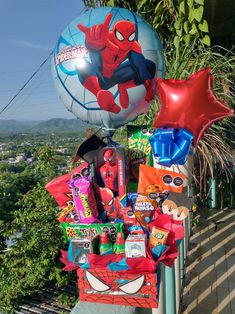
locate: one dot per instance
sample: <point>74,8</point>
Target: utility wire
<point>38,83</point>
<point>26,83</point>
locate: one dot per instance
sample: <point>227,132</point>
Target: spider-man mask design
<point>104,286</point>
<point>123,35</point>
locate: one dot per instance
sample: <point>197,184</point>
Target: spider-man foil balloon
<point>105,64</point>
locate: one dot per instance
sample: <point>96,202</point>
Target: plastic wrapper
<point>89,231</point>
<point>159,179</point>
<point>59,188</point>
<point>143,208</point>
<point>139,148</point>
<point>68,214</point>
<point>84,199</point>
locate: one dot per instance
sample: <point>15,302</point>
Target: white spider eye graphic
<point>119,36</point>
<point>131,37</point>
<point>95,283</point>
<point>110,202</point>
<point>133,286</point>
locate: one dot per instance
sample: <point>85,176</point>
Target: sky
<point>29,30</point>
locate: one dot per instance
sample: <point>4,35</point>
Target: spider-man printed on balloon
<point>105,65</point>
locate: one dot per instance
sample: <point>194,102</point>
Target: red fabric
<point>176,232</point>
<point>141,265</point>
<point>68,265</point>
<point>101,261</point>
<point>169,256</point>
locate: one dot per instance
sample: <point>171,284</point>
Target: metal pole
<point>187,233</point>
<point>170,298</point>
<point>212,193</point>
<point>177,283</point>
<point>181,257</point>
<point>161,296</point>
<point>185,241</point>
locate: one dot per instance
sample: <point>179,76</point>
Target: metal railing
<point>173,279</point>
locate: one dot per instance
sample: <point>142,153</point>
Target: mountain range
<point>58,125</point>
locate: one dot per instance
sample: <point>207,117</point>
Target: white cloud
<point>31,45</point>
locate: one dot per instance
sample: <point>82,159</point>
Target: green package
<point>139,151</point>
<point>89,231</point>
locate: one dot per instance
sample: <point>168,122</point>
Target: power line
<point>26,83</point>
<point>38,83</point>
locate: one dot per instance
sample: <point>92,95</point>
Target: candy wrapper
<point>68,214</point>
<point>89,231</point>
<point>84,199</point>
<point>135,245</point>
<point>143,208</point>
<point>79,249</point>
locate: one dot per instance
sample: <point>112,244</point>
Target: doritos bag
<point>59,188</point>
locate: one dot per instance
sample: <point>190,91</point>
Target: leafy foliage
<point>33,259</point>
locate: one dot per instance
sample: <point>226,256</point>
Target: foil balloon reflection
<point>171,146</point>
<point>105,64</point>
<point>190,104</point>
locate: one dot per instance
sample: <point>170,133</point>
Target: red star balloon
<point>190,104</point>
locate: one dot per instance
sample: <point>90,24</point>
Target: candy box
<point>79,248</point>
<point>158,236</point>
<point>135,245</point>
<point>104,286</point>
<point>110,170</point>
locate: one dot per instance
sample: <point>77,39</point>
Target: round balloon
<point>105,64</point>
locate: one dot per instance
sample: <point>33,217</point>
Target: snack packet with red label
<point>59,188</point>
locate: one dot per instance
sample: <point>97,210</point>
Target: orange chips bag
<point>159,179</point>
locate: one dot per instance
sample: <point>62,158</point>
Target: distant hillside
<point>49,126</point>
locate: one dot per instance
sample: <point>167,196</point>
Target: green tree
<point>33,260</point>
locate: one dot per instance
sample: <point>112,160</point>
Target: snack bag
<point>68,214</point>
<point>59,189</point>
<point>89,231</point>
<point>84,199</point>
<point>143,208</point>
<point>160,179</point>
<point>139,149</point>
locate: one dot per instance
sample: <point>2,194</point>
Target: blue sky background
<point>29,29</point>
